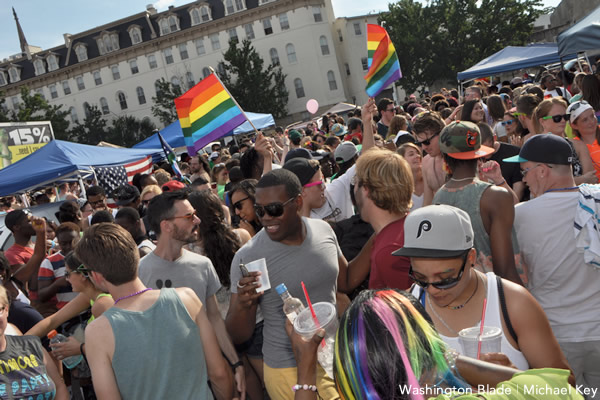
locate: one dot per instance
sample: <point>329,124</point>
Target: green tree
<point>164,101</point>
<point>93,129</point>
<point>457,34</point>
<point>127,130</point>
<point>255,87</point>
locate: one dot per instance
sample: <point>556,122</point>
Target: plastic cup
<point>304,325</point>
<point>260,265</point>
<point>490,340</point>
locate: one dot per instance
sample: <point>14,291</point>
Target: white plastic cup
<point>491,340</point>
<point>304,325</point>
<point>260,265</point>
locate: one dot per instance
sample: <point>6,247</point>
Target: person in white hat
<point>585,127</point>
<point>439,240</point>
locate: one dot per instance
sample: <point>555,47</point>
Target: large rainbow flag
<point>384,67</point>
<point>206,113</point>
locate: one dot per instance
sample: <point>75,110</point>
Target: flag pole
<point>235,101</point>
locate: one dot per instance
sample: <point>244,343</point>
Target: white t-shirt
<point>339,204</point>
<point>554,93</point>
<point>565,286</point>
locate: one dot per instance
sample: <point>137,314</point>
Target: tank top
<point>158,351</point>
<point>594,150</point>
<point>493,317</point>
<point>93,301</point>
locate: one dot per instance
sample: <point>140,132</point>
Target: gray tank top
<point>158,352</point>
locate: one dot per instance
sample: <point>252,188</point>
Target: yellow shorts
<point>279,382</point>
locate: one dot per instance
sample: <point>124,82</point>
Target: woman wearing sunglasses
<point>585,127</point>
<point>242,203</point>
<point>550,116</point>
<point>439,241</point>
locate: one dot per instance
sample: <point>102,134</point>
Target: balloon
<point>312,106</point>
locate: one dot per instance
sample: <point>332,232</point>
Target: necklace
<point>438,316</point>
<point>131,295</point>
<point>470,297</point>
<point>468,178</point>
<point>562,189</point>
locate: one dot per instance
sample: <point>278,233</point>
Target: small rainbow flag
<point>206,113</point>
<point>384,67</point>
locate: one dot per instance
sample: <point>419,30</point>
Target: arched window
<point>14,74</point>
<point>86,109</point>
<point>299,88</point>
<point>140,95</point>
<point>74,116</point>
<point>195,16</point>
<point>175,82</point>
<point>157,88</point>
<point>205,72</point>
<point>331,80</point>
<point>81,52</point>
<point>189,77</point>
<point>104,106</point>
<point>173,23</point>
<point>229,7</point>
<point>39,66</point>
<point>324,46</point>
<point>135,34</point>
<point>122,100</point>
<point>221,69</point>
<point>52,62</point>
<point>205,13</point>
<point>274,56</point>
<point>291,53</point>
<point>164,26</point>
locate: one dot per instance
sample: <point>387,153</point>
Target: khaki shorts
<point>279,382</point>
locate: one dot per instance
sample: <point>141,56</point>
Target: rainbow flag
<point>384,67</point>
<point>206,113</point>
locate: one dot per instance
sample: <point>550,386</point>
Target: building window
<point>324,46</point>
<point>205,13</point>
<point>107,42</point>
<point>74,117</point>
<point>183,53</point>
<point>152,61</point>
<point>14,74</point>
<point>81,52</point>
<point>104,106</point>
<point>168,55</point>
<point>122,100</point>
<point>239,5</point>
<point>299,88</point>
<point>331,80</point>
<point>53,91</point>
<point>66,87</point>
<point>249,31</point>
<point>267,26</point>
<point>80,84</point>
<point>87,110</point>
<point>229,7</point>
<point>97,78</point>
<point>189,78</point>
<point>39,67</point>
<point>15,103</point>
<point>199,15</point>
<point>365,65</point>
<point>3,79</point>
<point>168,25</point>
<point>221,69</point>
<point>205,72</point>
<point>134,67</point>
<point>115,72</point>
<point>52,62</point>
<point>291,53</point>
<point>232,6</point>
<point>135,33</point>
<point>317,14</point>
<point>195,16</point>
<point>340,37</point>
<point>163,24</point>
<point>357,29</point>
<point>200,46</point>
<point>157,88</point>
<point>176,83</point>
<point>233,35</point>
<point>274,56</point>
<point>283,22</point>
<point>140,95</point>
<point>214,41</point>
<point>347,66</point>
<point>173,23</point>
<point>40,91</point>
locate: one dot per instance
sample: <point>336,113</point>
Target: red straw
<point>312,310</point>
<point>481,328</point>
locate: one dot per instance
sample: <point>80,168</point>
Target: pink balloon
<point>312,106</point>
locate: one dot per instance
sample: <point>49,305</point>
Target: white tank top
<point>493,317</point>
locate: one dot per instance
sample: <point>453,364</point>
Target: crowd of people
<point>416,220</point>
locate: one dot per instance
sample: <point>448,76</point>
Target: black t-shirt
<point>510,171</point>
<point>23,316</point>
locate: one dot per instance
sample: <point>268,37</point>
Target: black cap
<point>302,169</point>
<point>125,194</point>
<point>546,148</point>
<point>298,153</point>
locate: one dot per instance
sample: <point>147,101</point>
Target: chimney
<point>150,8</point>
<point>171,7</point>
<point>67,37</point>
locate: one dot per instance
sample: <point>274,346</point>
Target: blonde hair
<point>543,109</point>
<point>388,178</point>
<point>151,189</point>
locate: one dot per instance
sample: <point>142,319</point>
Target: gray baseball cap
<point>437,231</point>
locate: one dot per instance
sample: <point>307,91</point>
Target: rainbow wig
<point>385,344</point>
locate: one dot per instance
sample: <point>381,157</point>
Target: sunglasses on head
<point>273,209</point>
<point>557,118</point>
<point>427,141</point>
<point>444,283</point>
<point>238,204</point>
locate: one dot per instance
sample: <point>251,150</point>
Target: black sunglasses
<point>238,204</point>
<point>444,283</point>
<point>558,118</point>
<point>273,209</point>
<point>427,141</point>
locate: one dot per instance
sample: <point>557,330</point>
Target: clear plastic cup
<point>261,266</point>
<point>491,340</point>
<point>305,326</point>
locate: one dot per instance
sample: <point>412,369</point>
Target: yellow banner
<point>17,152</point>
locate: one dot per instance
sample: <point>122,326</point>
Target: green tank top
<point>93,301</point>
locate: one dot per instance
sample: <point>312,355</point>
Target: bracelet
<point>501,183</point>
<point>237,364</point>
<point>312,388</point>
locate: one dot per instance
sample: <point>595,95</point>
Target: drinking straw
<point>481,328</point>
<point>312,310</point>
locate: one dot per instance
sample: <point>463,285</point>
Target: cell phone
<point>244,270</point>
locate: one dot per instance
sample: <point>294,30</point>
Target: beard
<point>185,236</point>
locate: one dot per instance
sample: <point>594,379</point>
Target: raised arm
<point>29,271</point>
<point>70,310</point>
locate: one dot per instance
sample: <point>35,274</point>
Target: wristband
<point>312,388</point>
<point>237,364</point>
<point>501,183</point>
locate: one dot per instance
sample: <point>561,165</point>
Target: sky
<point>44,22</point>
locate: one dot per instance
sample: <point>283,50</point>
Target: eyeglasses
<point>273,209</point>
<point>238,204</point>
<point>80,270</point>
<point>576,105</point>
<point>427,141</point>
<point>96,203</point>
<point>526,170</point>
<point>219,165</point>
<point>509,122</point>
<point>444,283</point>
<point>557,118</point>
<point>391,110</point>
<point>516,114</point>
<point>189,217</point>
<point>318,183</point>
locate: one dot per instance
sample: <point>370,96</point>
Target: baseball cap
<point>578,108</point>
<point>345,152</point>
<point>302,169</point>
<point>172,186</point>
<point>462,140</point>
<point>516,80</point>
<point>298,153</point>
<point>404,137</point>
<point>546,148</point>
<point>436,231</point>
<point>214,154</point>
<point>338,130</point>
<point>125,194</point>
<point>294,135</point>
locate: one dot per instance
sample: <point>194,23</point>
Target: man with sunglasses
<point>174,220</point>
<point>387,111</point>
<point>439,240</point>
<point>552,90</point>
<point>427,128</point>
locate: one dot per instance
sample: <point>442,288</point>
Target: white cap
<point>214,154</point>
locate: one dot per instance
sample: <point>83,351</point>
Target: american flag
<point>111,177</point>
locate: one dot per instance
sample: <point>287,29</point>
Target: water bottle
<point>70,362</point>
<point>291,305</point>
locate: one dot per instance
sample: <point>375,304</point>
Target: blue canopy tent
<point>583,36</point>
<point>512,58</point>
<point>60,160</point>
<point>174,135</point>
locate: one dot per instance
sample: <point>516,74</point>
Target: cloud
<point>162,4</point>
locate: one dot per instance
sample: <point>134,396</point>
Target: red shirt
<point>18,255</point>
<point>388,270</point>
<point>349,137</point>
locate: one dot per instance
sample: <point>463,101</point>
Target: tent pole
<point>587,59</point>
<point>579,62</point>
<point>25,200</point>
<point>81,186</point>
